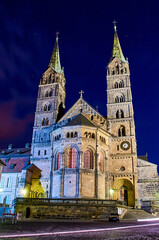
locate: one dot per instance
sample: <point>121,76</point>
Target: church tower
<point>51,95</point>
<point>123,153</point>
<point>49,109</point>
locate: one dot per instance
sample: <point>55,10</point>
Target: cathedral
<point>82,154</point>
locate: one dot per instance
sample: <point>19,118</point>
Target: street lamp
<point>23,192</point>
<point>111,191</point>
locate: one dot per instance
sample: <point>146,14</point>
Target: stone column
<point>62,175</point>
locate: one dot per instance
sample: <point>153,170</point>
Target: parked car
<point>113,217</point>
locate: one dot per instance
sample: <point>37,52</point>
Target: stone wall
<point>64,208</point>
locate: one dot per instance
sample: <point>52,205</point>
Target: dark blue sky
<point>27,36</point>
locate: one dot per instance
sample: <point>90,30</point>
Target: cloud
<point>11,126</point>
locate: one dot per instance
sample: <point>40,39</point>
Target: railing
<point>65,201</point>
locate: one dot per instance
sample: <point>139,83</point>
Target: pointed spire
<point>55,58</point>
<point>117,51</point>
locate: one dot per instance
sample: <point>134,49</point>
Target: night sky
<point>27,37</point>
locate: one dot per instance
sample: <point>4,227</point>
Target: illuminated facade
<point>82,154</point>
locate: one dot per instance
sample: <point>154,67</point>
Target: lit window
<point>57,161</point>
<point>101,162</point>
<point>88,164</point>
<point>72,158</point>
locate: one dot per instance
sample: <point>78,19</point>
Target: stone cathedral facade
<point>81,153</point>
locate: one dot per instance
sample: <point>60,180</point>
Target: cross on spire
<point>81,92</point>
<point>57,34</point>
<point>114,22</point>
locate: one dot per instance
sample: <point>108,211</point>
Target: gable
<point>81,106</point>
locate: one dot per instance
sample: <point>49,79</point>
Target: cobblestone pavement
<point>100,231</point>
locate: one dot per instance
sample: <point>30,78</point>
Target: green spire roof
<point>55,58</point>
<point>117,51</point>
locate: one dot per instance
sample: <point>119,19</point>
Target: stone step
<point>132,214</point>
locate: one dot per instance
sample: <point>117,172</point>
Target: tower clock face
<point>125,145</point>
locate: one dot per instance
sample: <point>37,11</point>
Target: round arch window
<point>122,168</point>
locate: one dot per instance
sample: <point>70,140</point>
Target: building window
<point>9,182</point>
<point>116,99</point>
<point>76,134</point>
<point>44,152</point>
<point>101,162</point>
<point>121,131</point>
<point>120,114</point>
<point>88,163</point>
<point>2,182</point>
<point>38,152</point>
<point>12,166</point>
<point>72,158</point>
<point>116,85</point>
<point>121,84</point>
<point>7,200</point>
<point>57,161</point>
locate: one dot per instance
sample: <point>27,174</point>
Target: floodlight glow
<point>111,191</point>
<point>23,191</point>
<point>1,189</point>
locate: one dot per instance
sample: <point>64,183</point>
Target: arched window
<point>57,161</point>
<point>85,134</point>
<point>116,85</point>
<point>125,70</point>
<point>71,134</point>
<point>56,91</point>
<point>117,114</point>
<point>76,134</point>
<point>46,122</point>
<point>50,93</point>
<point>50,78</point>
<point>116,99</point>
<point>117,69</point>
<point>120,114</point>
<point>122,131</point>
<point>46,94</point>
<point>68,135</point>
<point>121,71</point>
<point>113,72</point>
<point>45,108</point>
<point>101,162</point>
<point>122,98</point>
<point>89,135</point>
<point>92,117</point>
<point>121,84</point>
<point>49,107</point>
<point>43,122</point>
<point>93,135</point>
<point>72,158</point>
<point>88,163</point>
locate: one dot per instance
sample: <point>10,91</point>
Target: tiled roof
<point>2,163</point>
<point>80,120</point>
<point>15,164</point>
<point>14,152</point>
